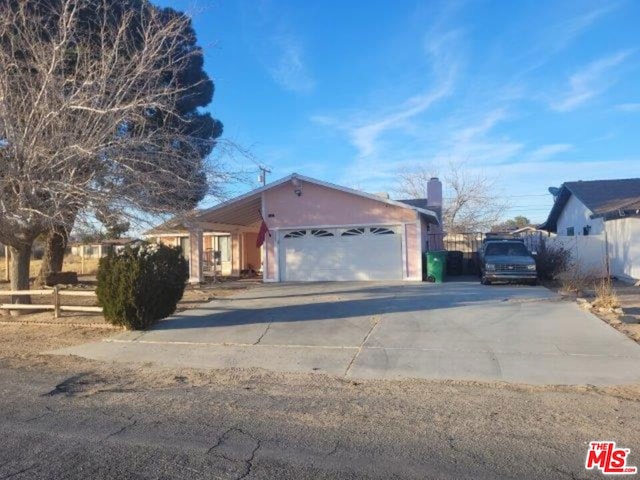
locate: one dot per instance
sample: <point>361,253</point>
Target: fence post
<point>56,302</point>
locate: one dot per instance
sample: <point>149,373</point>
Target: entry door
<point>354,253</point>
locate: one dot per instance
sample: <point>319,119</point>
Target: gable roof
<point>246,202</point>
<point>605,198</point>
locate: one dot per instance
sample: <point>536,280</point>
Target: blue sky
<point>533,93</point>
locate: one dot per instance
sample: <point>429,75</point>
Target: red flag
<point>262,234</point>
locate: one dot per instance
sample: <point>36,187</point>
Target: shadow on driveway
<point>321,301</point>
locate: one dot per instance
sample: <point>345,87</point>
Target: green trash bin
<point>436,263</point>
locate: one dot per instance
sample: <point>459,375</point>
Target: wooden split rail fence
<point>56,306</point>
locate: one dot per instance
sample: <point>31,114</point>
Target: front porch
<point>218,241</point>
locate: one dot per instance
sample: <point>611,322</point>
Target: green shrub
<point>140,285</point>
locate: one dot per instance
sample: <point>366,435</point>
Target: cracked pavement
<point>75,419</point>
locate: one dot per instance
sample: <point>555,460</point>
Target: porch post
<point>196,257</point>
<point>236,253</point>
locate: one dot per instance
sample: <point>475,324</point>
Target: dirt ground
<point>629,323</point>
<point>629,297</point>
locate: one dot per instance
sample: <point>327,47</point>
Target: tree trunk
<point>53,253</point>
<point>20,261</point>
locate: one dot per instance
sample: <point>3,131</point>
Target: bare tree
<point>471,202</point>
<point>83,87</point>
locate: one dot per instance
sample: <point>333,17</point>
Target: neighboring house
<point>608,210</point>
<point>101,248</point>
<point>317,231</point>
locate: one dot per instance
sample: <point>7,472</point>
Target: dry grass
<point>72,263</point>
<point>606,296</point>
<point>577,281</point>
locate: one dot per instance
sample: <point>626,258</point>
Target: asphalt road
<point>74,419</point>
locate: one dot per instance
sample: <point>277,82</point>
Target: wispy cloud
<point>629,107</point>
<point>290,70</point>
<point>566,31</point>
<point>589,82</point>
<point>277,45</point>
<point>560,35</point>
<point>546,152</point>
<point>441,54</point>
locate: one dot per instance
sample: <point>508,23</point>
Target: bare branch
<point>472,202</point>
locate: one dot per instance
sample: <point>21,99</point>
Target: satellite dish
<point>554,191</point>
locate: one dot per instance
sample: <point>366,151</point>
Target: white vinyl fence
<point>588,253</point>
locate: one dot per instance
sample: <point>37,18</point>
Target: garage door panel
<point>358,257</point>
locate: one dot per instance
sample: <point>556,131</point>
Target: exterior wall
<point>271,261</point>
<point>320,205</point>
<point>252,254</point>
<point>207,242</point>
<point>575,214</point>
<point>413,251</point>
<point>323,206</point>
<point>623,237</point>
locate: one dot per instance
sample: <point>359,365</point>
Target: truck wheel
<point>484,281</point>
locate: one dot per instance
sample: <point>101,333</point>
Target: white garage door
<point>358,253</point>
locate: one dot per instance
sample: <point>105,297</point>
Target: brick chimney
<point>434,192</point>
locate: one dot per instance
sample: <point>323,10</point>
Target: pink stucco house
<point>317,231</point>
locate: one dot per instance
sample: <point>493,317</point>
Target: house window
<point>381,231</point>
<point>570,232</point>
<point>321,233</point>
<point>352,232</point>
<point>586,230</point>
<point>296,234</point>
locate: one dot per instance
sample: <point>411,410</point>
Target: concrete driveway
<point>458,330</point>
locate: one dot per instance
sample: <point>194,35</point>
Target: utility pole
<point>262,178</point>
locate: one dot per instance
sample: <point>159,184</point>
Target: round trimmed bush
<point>140,285</point>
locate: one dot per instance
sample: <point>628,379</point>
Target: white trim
<point>276,255</point>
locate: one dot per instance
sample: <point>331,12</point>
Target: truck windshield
<point>512,249</point>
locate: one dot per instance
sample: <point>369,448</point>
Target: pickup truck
<point>506,260</point>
